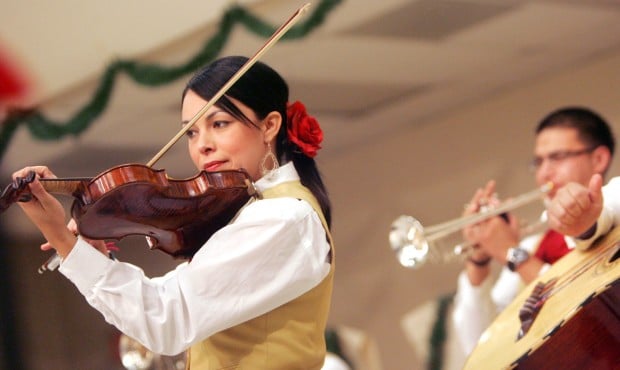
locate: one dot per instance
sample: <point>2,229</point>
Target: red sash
<point>552,247</point>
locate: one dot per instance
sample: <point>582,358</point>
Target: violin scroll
<point>17,191</point>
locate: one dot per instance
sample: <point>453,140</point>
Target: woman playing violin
<point>256,295</point>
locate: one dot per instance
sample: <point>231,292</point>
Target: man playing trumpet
<point>572,145</point>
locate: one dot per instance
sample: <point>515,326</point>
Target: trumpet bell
<point>134,356</point>
<point>408,242</point>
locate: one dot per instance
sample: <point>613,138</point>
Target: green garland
<point>332,342</point>
<point>43,128</point>
<point>438,333</point>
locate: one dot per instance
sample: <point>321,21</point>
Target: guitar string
<point>581,270</point>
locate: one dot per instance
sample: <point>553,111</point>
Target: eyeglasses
<point>559,156</point>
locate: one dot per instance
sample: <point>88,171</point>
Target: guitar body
<point>576,323</point>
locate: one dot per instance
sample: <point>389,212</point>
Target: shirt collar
<point>284,173</point>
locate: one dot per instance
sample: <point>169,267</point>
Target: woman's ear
<point>272,124</point>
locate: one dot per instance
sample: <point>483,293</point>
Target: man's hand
<point>575,208</point>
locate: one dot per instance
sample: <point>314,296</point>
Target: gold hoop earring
<point>269,156</point>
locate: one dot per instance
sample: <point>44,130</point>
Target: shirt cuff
<point>603,225</point>
<point>84,265</point>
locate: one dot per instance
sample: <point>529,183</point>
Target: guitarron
<point>568,318</point>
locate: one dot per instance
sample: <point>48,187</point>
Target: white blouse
<point>274,251</point>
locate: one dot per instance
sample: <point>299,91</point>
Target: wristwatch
<point>515,257</point>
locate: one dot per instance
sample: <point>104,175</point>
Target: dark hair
<point>592,129</point>
<point>264,91</point>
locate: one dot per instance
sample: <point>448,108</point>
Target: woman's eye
<point>219,124</point>
<point>190,133</point>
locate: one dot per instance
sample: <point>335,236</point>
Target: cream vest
<point>290,337</point>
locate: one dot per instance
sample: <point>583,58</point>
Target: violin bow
<point>270,42</point>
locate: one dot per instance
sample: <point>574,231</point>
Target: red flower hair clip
<point>303,129</point>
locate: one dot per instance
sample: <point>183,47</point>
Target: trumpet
<point>414,244</point>
<point>134,356</point>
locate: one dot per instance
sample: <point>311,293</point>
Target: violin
<point>177,216</point>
